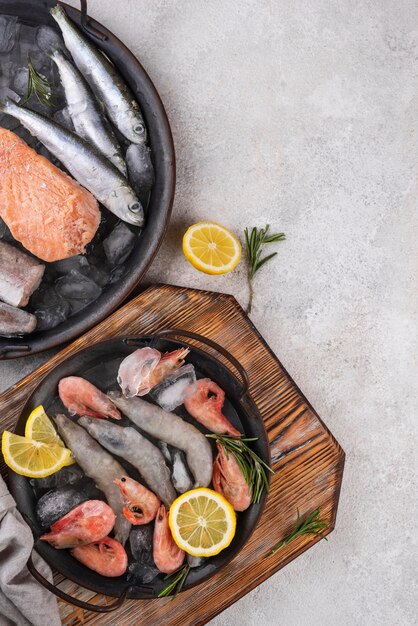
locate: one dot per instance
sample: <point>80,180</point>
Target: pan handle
<point>85,23</point>
<point>70,599</point>
<point>174,332</point>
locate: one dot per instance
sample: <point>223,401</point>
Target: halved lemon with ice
<point>202,522</point>
<point>31,458</point>
<point>211,248</point>
<point>40,428</point>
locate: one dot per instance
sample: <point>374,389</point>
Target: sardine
<point>119,101</point>
<point>173,430</point>
<point>14,321</point>
<point>87,166</point>
<point>86,113</point>
<point>20,275</point>
<point>98,465</point>
<point>129,444</point>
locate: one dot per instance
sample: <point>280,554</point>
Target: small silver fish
<point>87,166</point>
<point>20,275</point>
<point>119,101</point>
<point>85,112</point>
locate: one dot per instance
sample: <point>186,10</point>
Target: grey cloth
<point>23,601</point>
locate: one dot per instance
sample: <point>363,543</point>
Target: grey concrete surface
<point>304,115</point>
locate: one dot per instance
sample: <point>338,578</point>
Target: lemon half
<point>211,248</point>
<point>31,458</point>
<point>202,522</point>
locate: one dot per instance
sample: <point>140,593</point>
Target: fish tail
<point>57,11</point>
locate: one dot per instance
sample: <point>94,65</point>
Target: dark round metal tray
<point>99,364</point>
<point>36,12</point>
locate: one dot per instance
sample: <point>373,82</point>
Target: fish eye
<point>139,129</point>
<point>135,207</point>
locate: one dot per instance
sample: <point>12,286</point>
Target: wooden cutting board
<point>307,460</point>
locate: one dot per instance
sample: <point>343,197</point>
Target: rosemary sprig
<point>313,525</point>
<point>177,582</point>
<point>254,242</point>
<point>254,469</point>
<point>39,86</point>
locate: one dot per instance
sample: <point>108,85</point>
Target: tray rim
<point>32,344</point>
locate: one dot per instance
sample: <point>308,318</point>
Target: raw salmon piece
<point>46,210</point>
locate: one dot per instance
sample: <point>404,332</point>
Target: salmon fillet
<point>46,210</point>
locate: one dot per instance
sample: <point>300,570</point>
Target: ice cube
<point>140,169</point>
<point>52,316</point>
<point>8,29</point>
<point>119,244</point>
<point>142,572</point>
<point>77,289</point>
<point>180,476</point>
<point>47,38</point>
<point>140,541</point>
<point>45,296</point>
<point>165,450</point>
<point>65,476</point>
<point>5,92</point>
<point>55,504</point>
<point>175,389</point>
<point>195,561</point>
<point>63,118</point>
<point>78,262</point>
<point>20,81</point>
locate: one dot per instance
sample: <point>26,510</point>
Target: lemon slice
<point>31,458</point>
<point>211,248</point>
<point>40,428</point>
<point>202,522</point>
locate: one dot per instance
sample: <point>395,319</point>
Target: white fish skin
<point>98,465</point>
<point>173,430</point>
<point>20,275</point>
<point>129,444</point>
<point>86,113</point>
<point>119,101</point>
<point>14,321</point>
<point>83,162</point>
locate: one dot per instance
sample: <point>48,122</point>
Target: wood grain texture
<point>307,460</point>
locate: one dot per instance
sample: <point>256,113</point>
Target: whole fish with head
<point>119,101</point>
<point>173,430</point>
<point>129,444</point>
<point>98,465</point>
<point>86,113</point>
<point>90,168</point>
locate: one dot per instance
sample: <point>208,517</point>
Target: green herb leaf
<point>39,86</point>
<point>313,525</point>
<point>254,243</point>
<point>177,582</point>
<point>254,469</point>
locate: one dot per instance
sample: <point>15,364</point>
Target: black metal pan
<point>99,364</point>
<point>36,12</point>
